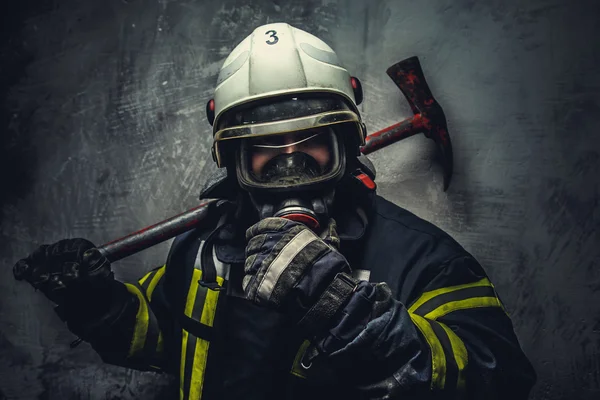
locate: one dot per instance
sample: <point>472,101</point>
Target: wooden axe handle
<point>403,129</point>
<point>159,232</point>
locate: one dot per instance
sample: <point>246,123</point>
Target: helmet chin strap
<point>309,208</point>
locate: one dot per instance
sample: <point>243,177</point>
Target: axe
<point>429,119</point>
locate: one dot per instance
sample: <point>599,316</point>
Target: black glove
<point>61,269</point>
<point>289,268</point>
<point>78,278</point>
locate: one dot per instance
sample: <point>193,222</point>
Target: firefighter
<point>306,284</point>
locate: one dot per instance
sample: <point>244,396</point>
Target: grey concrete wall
<point>105,133</point>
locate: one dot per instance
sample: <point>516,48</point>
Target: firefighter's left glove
<point>290,268</point>
<point>73,274</point>
<point>67,266</point>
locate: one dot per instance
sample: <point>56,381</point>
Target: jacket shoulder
<point>403,222</point>
<point>405,250</point>
<point>184,242</point>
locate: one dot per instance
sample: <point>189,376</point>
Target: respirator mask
<point>292,175</point>
<point>290,154</point>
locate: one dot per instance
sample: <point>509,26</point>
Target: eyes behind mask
<point>290,159</point>
<point>317,145</point>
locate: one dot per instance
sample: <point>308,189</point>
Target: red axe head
<point>429,117</point>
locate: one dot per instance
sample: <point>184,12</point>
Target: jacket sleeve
<point>130,334</point>
<point>453,339</point>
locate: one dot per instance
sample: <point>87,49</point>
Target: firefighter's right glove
<point>291,269</point>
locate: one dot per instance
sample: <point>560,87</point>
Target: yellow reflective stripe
<point>191,297</point>
<point>438,359</point>
<point>141,281</point>
<point>184,337</point>
<point>430,295</point>
<point>201,351</point>
<point>296,368</point>
<point>499,302</point>
<point>451,306</point>
<point>141,321</point>
<point>197,380</point>
<point>189,306</point>
<point>460,354</point>
<point>154,282</point>
<point>210,305</point>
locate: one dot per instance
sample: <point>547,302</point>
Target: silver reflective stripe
<point>282,260</point>
<point>198,262</point>
<point>222,268</point>
<point>233,67</point>
<point>321,55</point>
<point>361,274</point>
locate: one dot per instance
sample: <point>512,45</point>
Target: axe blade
<point>408,76</point>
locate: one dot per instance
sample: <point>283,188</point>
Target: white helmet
<point>281,79</point>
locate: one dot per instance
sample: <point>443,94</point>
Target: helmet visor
<point>289,159</point>
<point>286,116</point>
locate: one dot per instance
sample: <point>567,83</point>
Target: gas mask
<point>290,153</point>
<point>292,175</point>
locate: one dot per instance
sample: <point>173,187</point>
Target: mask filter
<point>309,210</point>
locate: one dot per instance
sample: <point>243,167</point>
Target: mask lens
<point>290,159</point>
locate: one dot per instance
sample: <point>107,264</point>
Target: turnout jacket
<point>444,333</point>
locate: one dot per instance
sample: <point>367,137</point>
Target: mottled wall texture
<point>103,132</point>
